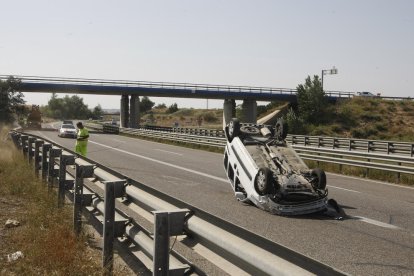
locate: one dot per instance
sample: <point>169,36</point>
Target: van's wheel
<point>263,181</point>
<point>252,130</point>
<point>319,177</point>
<point>233,128</point>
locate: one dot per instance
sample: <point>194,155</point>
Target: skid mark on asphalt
<point>169,152</point>
<point>375,222</point>
<point>162,162</point>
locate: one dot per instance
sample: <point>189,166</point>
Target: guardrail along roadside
<point>140,221</point>
<point>388,156</point>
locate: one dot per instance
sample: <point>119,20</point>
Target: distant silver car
<point>264,170</point>
<point>67,130</point>
<point>365,94</point>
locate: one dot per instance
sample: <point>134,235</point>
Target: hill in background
<point>358,117</point>
<point>368,118</point>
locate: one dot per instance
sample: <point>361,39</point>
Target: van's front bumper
<point>267,204</point>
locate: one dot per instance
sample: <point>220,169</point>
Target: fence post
<point>52,173</point>
<point>30,152</point>
<point>63,162</point>
<point>37,159</point>
<point>113,190</point>
<point>44,166</point>
<point>81,172</point>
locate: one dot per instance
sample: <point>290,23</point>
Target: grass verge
<point>45,234</point>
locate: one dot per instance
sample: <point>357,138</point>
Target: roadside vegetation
<point>45,235</point>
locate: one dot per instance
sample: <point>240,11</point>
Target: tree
<point>172,108</point>
<point>97,112</point>
<point>11,99</point>
<point>161,105</point>
<point>311,100</point>
<point>145,104</point>
<point>67,108</point>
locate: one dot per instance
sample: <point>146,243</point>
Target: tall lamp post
<point>329,72</point>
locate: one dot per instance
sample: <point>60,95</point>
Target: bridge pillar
<point>229,111</point>
<point>124,111</point>
<point>134,116</point>
<point>249,111</point>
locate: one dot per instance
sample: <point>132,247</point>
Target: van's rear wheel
<point>233,128</point>
<point>263,181</point>
<point>319,177</point>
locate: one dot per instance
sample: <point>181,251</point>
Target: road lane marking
<point>162,162</point>
<point>169,152</point>
<point>375,222</point>
<point>53,141</point>
<point>343,189</point>
<point>372,181</point>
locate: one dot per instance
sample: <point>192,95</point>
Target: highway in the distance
<point>376,239</point>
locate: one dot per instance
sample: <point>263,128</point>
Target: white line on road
<point>343,189</point>
<point>376,222</point>
<point>162,162</point>
<point>169,152</point>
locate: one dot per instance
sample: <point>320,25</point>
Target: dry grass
<point>45,235</point>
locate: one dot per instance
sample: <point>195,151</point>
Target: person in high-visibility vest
<point>82,140</point>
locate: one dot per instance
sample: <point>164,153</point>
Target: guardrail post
<point>52,173</point>
<point>412,150</point>
<point>369,146</point>
<point>351,142</point>
<point>399,174</point>
<point>166,224</point>
<point>44,166</point>
<point>63,162</point>
<point>334,144</point>
<point>24,139</point>
<point>113,190</point>
<point>15,138</point>
<point>30,152</point>
<point>37,159</point>
<point>81,172</point>
<point>306,140</point>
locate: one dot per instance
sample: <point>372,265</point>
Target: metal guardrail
<point>115,210</point>
<point>350,144</point>
<point>391,156</point>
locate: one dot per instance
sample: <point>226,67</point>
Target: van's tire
<point>319,176</point>
<point>233,129</point>
<point>252,130</point>
<point>263,181</point>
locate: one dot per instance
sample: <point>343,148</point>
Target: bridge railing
<point>170,85</point>
<point>118,211</point>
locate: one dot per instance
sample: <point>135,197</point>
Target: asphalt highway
<point>377,238</point>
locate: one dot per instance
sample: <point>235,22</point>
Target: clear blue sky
<point>257,43</point>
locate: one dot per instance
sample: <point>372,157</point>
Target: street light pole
<point>328,72</point>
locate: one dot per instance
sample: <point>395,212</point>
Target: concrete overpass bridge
<point>131,90</point>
